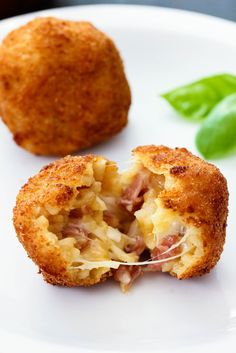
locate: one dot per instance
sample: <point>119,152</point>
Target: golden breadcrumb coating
<point>62,86</point>
<point>54,187</point>
<point>76,208</point>
<point>198,192</point>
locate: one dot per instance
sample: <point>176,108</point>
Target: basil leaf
<point>217,135</point>
<point>196,100</point>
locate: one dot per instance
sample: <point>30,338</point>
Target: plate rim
<point>144,10</point>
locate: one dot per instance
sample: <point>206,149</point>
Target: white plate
<point>161,49</point>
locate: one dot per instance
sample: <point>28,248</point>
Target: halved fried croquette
<point>81,221</point>
<point>62,86</point>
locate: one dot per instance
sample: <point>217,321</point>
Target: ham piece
<point>126,275</point>
<point>132,197</point>
<point>159,252</point>
<point>74,229</point>
<point>136,243</point>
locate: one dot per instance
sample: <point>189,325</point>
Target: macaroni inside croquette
<point>106,223</point>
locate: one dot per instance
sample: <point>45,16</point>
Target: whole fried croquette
<point>62,86</point>
<point>81,221</point>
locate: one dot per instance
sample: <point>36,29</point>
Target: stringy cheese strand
<point>174,246</point>
<point>89,265</point>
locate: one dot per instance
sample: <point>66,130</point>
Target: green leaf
<point>196,100</point>
<point>217,135</point>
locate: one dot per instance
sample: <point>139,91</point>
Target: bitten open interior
<point>117,223</point>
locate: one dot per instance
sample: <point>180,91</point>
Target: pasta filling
<point>116,224</point>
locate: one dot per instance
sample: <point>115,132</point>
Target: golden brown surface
<point>55,185</point>
<point>199,194</point>
<point>62,86</point>
<point>195,190</point>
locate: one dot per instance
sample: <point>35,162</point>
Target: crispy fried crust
<point>198,193</point>
<point>195,190</point>
<point>67,281</point>
<point>62,86</point>
<point>55,185</point>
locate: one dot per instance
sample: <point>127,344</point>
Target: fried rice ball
<point>81,221</point>
<point>62,86</point>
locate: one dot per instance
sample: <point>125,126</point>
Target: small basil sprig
<point>196,100</point>
<point>217,135</point>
